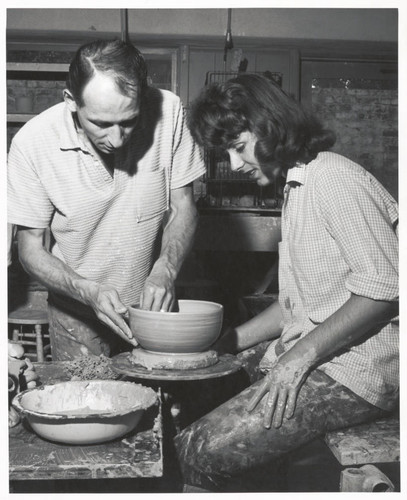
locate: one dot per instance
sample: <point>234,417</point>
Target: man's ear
<point>69,99</point>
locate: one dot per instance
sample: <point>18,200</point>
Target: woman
<point>333,357</point>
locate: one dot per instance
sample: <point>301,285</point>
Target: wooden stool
<point>376,443</point>
<point>23,319</point>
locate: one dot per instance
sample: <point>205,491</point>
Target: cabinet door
<point>200,62</point>
<point>285,62</point>
<point>162,67</point>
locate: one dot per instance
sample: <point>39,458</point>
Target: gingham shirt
<point>339,236</point>
<point>105,227</point>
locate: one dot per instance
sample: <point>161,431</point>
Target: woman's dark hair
<point>286,132</point>
<point>120,59</point>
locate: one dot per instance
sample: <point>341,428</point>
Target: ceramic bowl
<point>193,329</point>
<point>85,412</point>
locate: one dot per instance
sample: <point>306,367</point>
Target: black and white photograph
<point>201,248</point>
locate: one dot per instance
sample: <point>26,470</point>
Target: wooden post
<point>39,342</point>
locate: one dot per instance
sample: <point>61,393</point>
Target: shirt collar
<point>69,135</point>
<point>296,174</point>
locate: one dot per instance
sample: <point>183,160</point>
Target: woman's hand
<point>282,384</point>
<point>345,327</point>
<point>226,343</point>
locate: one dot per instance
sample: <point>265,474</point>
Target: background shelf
<point>19,117</point>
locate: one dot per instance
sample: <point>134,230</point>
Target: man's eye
<point>130,123</point>
<point>102,125</point>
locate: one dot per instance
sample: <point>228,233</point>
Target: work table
<point>136,455</point>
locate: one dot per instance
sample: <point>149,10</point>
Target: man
<point>103,171</point>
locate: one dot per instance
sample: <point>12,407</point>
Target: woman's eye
<point>239,149</point>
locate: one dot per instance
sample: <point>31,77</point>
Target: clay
<point>97,397</point>
<point>15,350</point>
<point>166,361</point>
<point>13,417</point>
<point>90,368</point>
<point>193,329</point>
<point>226,365</point>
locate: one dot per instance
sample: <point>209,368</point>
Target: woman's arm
<point>344,328</point>
<point>264,326</point>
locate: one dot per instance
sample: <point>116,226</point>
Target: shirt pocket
<point>151,194</point>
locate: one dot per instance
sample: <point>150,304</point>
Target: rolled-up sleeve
<point>362,218</point>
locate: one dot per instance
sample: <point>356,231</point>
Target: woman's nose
<point>236,162</point>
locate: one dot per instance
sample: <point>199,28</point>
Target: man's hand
<point>61,279</point>
<point>106,303</point>
<point>159,291</point>
<point>282,385</point>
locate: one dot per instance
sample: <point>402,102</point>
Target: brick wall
<point>366,123</point>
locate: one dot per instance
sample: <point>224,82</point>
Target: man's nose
<point>236,162</point>
<point>116,136</point>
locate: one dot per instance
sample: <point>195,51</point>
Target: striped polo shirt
<point>339,236</point>
<point>105,227</point>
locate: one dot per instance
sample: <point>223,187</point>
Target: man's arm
<point>56,276</point>
<point>348,325</point>
<point>159,290</point>
<point>11,229</point>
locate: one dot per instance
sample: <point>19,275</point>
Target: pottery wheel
<point>123,364</point>
<point>169,361</point>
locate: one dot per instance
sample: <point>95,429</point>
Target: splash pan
<point>85,412</point>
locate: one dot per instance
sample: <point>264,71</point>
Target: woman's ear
<point>69,99</point>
